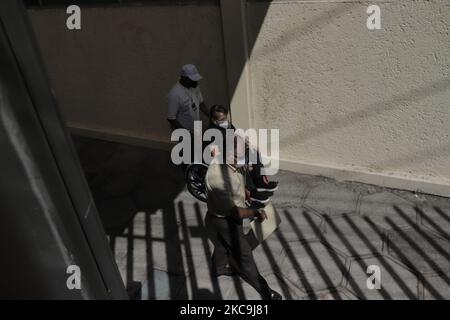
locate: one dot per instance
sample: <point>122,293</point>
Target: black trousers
<point>231,247</point>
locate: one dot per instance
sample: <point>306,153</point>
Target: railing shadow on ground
<point>180,279</point>
<point>106,162</point>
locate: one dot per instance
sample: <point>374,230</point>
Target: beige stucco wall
<point>113,75</point>
<point>348,98</point>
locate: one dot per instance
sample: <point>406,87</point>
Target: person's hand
<point>261,215</point>
<point>265,179</point>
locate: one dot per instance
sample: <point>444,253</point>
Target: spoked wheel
<point>195,180</point>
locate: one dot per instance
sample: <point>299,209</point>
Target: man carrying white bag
<point>225,189</point>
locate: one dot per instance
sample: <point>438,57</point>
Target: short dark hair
<point>217,108</point>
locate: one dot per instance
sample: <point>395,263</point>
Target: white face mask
<point>224,124</point>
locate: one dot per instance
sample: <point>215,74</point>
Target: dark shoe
<point>275,295</point>
<point>271,186</point>
<point>258,196</point>
<point>227,271</point>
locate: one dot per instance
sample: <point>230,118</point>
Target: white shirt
<point>184,105</point>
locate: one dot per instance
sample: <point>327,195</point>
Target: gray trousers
<point>231,247</point>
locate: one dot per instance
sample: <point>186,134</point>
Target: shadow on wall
<point>127,179</point>
<point>124,46</point>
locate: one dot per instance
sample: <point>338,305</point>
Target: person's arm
<point>245,213</point>
<point>228,207</point>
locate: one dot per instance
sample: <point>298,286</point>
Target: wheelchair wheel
<point>195,180</point>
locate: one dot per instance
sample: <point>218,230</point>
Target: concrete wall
<point>353,104</point>
<point>357,104</point>
<point>113,75</point>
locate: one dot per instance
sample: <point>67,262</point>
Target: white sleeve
<point>173,105</point>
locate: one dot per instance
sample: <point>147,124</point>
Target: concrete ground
<point>331,232</point>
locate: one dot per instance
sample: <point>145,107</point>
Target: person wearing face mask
<point>259,188</point>
<point>218,119</point>
<point>185,100</point>
<point>225,189</point>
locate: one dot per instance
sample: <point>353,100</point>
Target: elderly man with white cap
<point>186,100</point>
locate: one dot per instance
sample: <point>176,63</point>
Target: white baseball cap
<point>190,71</point>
